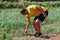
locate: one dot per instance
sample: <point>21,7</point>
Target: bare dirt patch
<point>43,37</point>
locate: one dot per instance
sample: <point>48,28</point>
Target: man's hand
<point>44,14</point>
<point>25,30</point>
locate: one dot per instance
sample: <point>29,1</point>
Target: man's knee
<point>37,21</point>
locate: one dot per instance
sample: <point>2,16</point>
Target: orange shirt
<point>32,11</point>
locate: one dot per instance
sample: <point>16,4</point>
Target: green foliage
<point>10,0</point>
<point>10,5</point>
<point>28,0</point>
<point>25,4</point>
<point>12,23</point>
<point>43,0</point>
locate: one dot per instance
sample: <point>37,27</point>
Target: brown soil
<point>43,37</point>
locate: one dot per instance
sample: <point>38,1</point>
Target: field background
<point>12,23</point>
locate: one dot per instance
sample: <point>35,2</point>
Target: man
<point>39,12</point>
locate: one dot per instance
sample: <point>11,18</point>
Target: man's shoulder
<point>32,5</point>
<point>43,7</point>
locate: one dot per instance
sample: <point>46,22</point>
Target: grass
<point>12,23</point>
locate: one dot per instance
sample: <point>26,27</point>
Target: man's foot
<point>37,34</point>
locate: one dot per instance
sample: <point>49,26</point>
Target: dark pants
<point>41,16</point>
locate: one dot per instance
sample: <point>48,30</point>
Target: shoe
<point>37,34</point>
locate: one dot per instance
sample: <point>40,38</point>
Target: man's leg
<point>36,24</point>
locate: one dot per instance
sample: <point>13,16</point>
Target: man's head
<point>23,11</point>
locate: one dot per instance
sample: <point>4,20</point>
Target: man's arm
<point>27,24</point>
<point>39,8</point>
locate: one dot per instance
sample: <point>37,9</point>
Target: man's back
<point>32,11</point>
